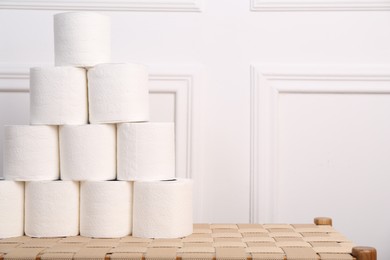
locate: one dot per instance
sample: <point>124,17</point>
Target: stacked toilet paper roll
<point>11,209</point>
<point>84,87</point>
<point>146,151</point>
<point>88,152</point>
<point>52,208</point>
<point>81,39</point>
<point>106,208</point>
<point>31,153</point>
<point>118,93</point>
<point>58,95</point>
<point>162,209</point>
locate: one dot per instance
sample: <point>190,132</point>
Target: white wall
<point>282,107</point>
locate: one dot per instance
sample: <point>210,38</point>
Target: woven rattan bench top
<point>209,241</point>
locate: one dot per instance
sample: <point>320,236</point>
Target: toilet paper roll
<point>118,93</point>
<point>11,209</point>
<point>88,152</point>
<point>106,209</point>
<point>146,151</point>
<point>31,153</point>
<point>52,209</point>
<point>162,209</point>
<point>58,96</point>
<point>81,39</point>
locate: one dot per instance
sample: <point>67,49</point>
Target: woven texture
<point>209,241</point>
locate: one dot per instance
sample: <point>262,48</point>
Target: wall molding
<point>320,5</point>
<point>14,79</point>
<point>119,5</point>
<point>183,112</point>
<point>267,82</point>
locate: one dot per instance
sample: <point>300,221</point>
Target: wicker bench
<point>209,241</point>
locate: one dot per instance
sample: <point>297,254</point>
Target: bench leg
<point>323,221</point>
<point>364,253</point>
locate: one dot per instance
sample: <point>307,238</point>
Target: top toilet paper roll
<point>162,209</point>
<point>31,153</point>
<point>81,39</point>
<point>11,209</point>
<point>146,151</point>
<point>88,152</point>
<point>58,95</point>
<point>118,93</point>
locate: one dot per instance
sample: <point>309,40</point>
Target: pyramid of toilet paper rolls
<point>90,163</point>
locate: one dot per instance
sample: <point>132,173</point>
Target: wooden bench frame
<point>359,252</point>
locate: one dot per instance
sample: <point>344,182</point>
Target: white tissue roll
<point>106,209</point>
<point>88,152</point>
<point>146,151</point>
<point>118,93</point>
<point>81,39</point>
<point>31,153</point>
<point>162,209</point>
<point>58,96</point>
<point>52,208</point>
<point>11,209</point>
